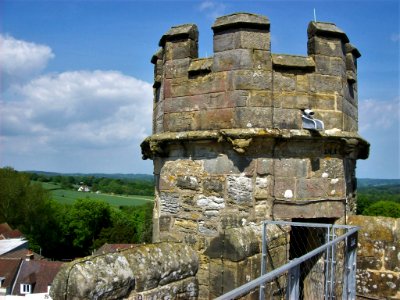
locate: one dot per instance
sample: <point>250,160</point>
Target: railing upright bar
<point>327,264</point>
<point>349,284</point>
<point>293,291</point>
<point>263,260</point>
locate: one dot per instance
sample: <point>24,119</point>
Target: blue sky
<point>76,75</point>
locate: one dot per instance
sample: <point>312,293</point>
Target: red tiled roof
<point>111,248</point>
<point>4,227</point>
<point>21,254</point>
<point>6,232</point>
<point>9,270</point>
<point>39,273</point>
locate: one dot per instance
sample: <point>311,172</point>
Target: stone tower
<point>229,147</point>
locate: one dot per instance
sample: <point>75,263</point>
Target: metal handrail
<point>291,264</point>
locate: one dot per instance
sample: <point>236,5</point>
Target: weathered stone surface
<point>378,258</point>
<point>117,275</point>
<point>284,61</point>
<point>302,209</point>
<point>240,20</point>
<point>236,59</point>
<point>169,203</point>
<point>185,289</point>
<point>236,244</point>
<point>188,182</point>
<point>240,189</point>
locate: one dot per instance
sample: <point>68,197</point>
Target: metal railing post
<point>293,291</point>
<point>349,284</point>
<point>263,260</point>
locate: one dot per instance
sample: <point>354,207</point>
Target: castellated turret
<point>230,146</point>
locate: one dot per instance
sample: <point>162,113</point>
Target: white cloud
<point>20,60</point>
<point>378,115</point>
<point>213,9</point>
<point>77,110</point>
<point>395,37</point>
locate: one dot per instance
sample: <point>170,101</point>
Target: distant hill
<point>99,175</point>
<point>369,182</point>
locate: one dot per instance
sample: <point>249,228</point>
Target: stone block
<point>220,165</point>
<point>237,59</point>
<point>176,68</point>
<point>253,117</point>
<point>291,167</point>
<point>351,62</point>
<point>181,49</point>
<point>250,80</point>
<point>287,118</point>
<point>324,101</point>
<point>165,223</point>
<point>212,83</point>
<point>265,166</point>
<point>334,66</point>
<point>263,188</point>
<point>331,119</point>
<point>262,60</point>
<point>284,188</point>
<point>260,99</point>
<point>329,167</point>
<point>238,98</point>
<point>350,110</point>
<point>214,185</point>
<point>291,100</point>
<point>213,203</point>
<point>326,84</point>
<point>240,189</point>
<point>302,83</point>
<point>187,182</point>
<point>216,119</point>
<point>252,39</point>
<point>169,203</point>
<point>207,228</point>
<point>349,124</point>
<point>263,210</point>
<point>284,82</point>
<point>182,121</point>
<point>325,46</point>
<point>322,209</point>
<point>314,188</point>
<point>236,244</point>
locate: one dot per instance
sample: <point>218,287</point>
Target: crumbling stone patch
<point>240,189</point>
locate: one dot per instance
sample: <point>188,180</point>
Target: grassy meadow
<point>69,196</point>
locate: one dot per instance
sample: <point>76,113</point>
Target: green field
<point>69,196</point>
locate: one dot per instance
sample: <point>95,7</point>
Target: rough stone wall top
<point>243,85</point>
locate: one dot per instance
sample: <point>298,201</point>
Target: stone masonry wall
<point>378,257</point>
<point>228,145</point>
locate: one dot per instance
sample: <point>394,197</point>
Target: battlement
<point>244,85</point>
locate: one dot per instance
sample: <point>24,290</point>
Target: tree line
<point>381,200</point>
<point>62,231</point>
<point>119,186</point>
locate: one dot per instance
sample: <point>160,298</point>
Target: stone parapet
<point>378,257</point>
<point>146,272</point>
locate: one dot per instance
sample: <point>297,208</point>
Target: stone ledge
<point>117,275</point>
<point>154,145</point>
<point>284,61</point>
<point>241,20</point>
<point>326,30</point>
<point>185,31</point>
